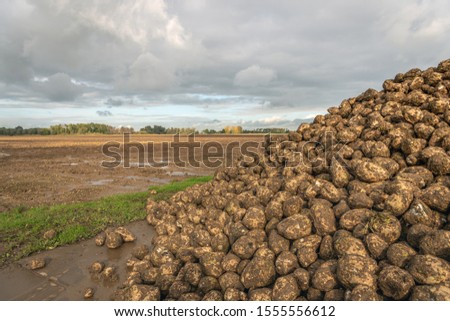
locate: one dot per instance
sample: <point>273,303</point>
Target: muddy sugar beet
<point>354,206</point>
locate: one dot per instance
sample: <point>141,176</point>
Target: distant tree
<point>44,131</point>
<point>156,129</point>
<point>159,129</point>
<point>18,130</point>
<point>233,129</point>
<point>184,131</point>
<point>209,131</point>
<point>124,129</point>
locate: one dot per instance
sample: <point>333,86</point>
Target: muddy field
<point>66,275</point>
<point>38,170</point>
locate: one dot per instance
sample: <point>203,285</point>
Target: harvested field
<point>42,170</point>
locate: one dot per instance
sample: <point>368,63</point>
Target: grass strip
<point>22,230</point>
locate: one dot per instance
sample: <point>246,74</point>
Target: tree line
<point>157,129</point>
<point>94,128</point>
<point>65,129</point>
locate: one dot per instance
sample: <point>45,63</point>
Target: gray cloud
<point>114,102</point>
<point>58,87</point>
<point>274,122</point>
<point>220,56</point>
<point>269,122</point>
<point>104,113</point>
<point>147,73</point>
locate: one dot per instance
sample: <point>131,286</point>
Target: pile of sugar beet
<point>354,206</point>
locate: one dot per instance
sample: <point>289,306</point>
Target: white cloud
<point>175,33</point>
<point>271,120</point>
<point>138,20</point>
<point>417,21</point>
<point>254,76</point>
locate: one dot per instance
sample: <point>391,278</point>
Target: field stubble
<point>58,182</point>
<point>44,170</point>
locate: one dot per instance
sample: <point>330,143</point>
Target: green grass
<point>163,192</point>
<point>21,229</point>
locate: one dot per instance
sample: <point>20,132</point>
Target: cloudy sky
<point>205,63</point>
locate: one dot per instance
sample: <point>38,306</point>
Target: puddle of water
<point>158,180</point>
<point>18,282</point>
<point>179,173</point>
<point>101,182</point>
<point>4,155</point>
<point>135,177</point>
<point>146,164</point>
<point>66,275</point>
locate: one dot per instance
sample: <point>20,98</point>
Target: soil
<point>46,170</point>
<point>66,275</point>
<point>42,170</point>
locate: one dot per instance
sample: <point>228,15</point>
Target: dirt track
<point>38,170</point>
